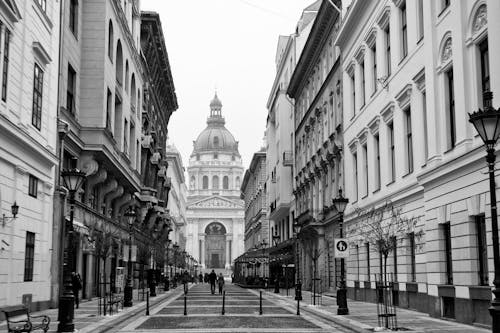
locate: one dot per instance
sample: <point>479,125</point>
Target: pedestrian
<point>206,277</point>
<point>220,281</point>
<point>185,280</point>
<point>77,285</point>
<point>212,277</point>
<point>200,277</point>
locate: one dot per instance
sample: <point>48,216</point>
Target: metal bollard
<point>223,302</point>
<point>185,305</point>
<point>298,307</point>
<point>147,303</point>
<point>260,303</point>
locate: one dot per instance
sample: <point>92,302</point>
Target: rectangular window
<point>70,90</point>
<point>377,161</point>
<point>395,257</point>
<point>392,156</point>
<point>404,32</point>
<point>355,162</point>
<point>409,141</point>
<point>29,256</point>
<point>413,266</point>
<point>365,161</point>
<point>36,116</point>
<point>125,141</point>
<point>447,248</point>
<point>388,49</point>
<point>424,115</point>
<point>33,186</point>
<point>451,109</point>
<point>374,70</point>
<point>368,273</point>
<point>73,17</point>
<point>420,20</point>
<point>353,95</point>
<point>485,65</point>
<point>362,74</point>
<point>42,4</point>
<point>5,70</point>
<point>109,105</point>
<point>482,252</point>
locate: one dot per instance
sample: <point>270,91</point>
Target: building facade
<point>412,72</point>
<point>215,212</point>
<point>29,44</point>
<point>316,88</point>
<point>113,119</point>
<point>280,149</point>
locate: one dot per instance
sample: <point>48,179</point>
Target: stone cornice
<point>404,96</point>
<point>387,112</point>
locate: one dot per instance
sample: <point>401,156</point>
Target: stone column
<point>202,239</point>
<point>228,260</point>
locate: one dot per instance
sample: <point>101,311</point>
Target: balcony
<point>287,158</point>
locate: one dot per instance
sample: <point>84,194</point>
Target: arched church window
<point>225,183</point>
<point>215,182</point>
<point>205,182</point>
<point>216,141</point>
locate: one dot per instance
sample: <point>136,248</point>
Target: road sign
<point>341,248</point>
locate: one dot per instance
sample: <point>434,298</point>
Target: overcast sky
<point>229,45</point>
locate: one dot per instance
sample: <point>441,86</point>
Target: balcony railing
<point>287,158</point>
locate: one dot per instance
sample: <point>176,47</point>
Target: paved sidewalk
<point>363,315</point>
<point>88,320</point>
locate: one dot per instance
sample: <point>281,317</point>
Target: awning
<point>80,227</point>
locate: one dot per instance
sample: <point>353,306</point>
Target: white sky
<point>228,44</point>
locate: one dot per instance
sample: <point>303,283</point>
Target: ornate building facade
<point>215,213</point>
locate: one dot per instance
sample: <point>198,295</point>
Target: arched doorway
<point>215,245</point>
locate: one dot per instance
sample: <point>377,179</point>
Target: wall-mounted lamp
<point>6,219</point>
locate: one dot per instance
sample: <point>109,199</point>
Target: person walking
<point>220,281</point>
<point>185,280</point>
<point>200,277</point>
<point>212,278</point>
<point>76,282</point>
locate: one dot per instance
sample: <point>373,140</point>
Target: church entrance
<point>215,243</point>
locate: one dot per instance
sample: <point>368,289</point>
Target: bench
<point>24,322</point>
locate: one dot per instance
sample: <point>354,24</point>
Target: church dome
<point>215,137</point>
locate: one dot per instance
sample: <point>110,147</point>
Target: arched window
<point>225,182</point>
<point>110,40</point>
<point>126,75</point>
<point>237,182</point>
<point>132,90</point>
<point>205,182</point>
<point>119,63</point>
<point>216,141</point>
<point>215,183</point>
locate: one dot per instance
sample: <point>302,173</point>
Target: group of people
<point>214,280</point>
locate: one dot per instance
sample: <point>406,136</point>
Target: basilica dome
<point>215,137</point>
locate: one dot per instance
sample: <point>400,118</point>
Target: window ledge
<point>43,16</point>
<point>364,197</point>
<point>390,183</point>
<point>407,174</point>
<point>376,191</point>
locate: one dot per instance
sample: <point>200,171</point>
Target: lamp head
<point>130,216</point>
<point>14,209</point>
<point>73,178</point>
<point>340,202</point>
<point>487,121</point>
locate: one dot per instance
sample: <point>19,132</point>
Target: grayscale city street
<point>249,166</point>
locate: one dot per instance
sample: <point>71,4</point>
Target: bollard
<point>147,303</point>
<point>223,302</point>
<point>185,305</point>
<point>298,307</point>
<point>260,303</point>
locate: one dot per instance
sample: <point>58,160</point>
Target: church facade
<point>215,212</point>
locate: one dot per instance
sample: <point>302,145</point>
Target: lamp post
<point>340,204</point>
<point>176,249</point>
<point>130,217</point>
<point>73,180</point>
<point>487,124</point>
<point>298,286</point>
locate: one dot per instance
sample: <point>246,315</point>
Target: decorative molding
<point>388,112</point>
<point>443,214</point>
<point>371,37</point>
<point>446,53</point>
<point>155,159</point>
<point>353,145</point>
<point>373,125</point>
<point>360,54</point>
<point>404,96</point>
<point>350,68</point>
<point>383,19</point>
<point>476,204</point>
<point>398,3</point>
<point>10,8</point>
<point>41,53</point>
<point>480,19</point>
<point>419,80</point>
<point>363,136</point>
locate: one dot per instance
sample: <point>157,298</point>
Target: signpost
<point>341,248</point>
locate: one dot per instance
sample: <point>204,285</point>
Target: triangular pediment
<point>215,202</point>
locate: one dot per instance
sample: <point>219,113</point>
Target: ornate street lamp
<point>73,180</point>
<point>276,238</point>
<point>298,286</point>
<point>130,217</point>
<point>487,124</point>
<point>14,210</point>
<point>340,204</point>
